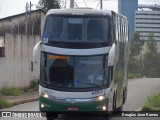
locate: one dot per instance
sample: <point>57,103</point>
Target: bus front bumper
<point>47,105</point>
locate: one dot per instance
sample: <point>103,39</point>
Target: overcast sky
<point>13,7</point>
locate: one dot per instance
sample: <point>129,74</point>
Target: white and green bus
<point>83,61</point>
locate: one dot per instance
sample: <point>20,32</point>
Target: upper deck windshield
<point>76,29</point>
<point>73,72</point>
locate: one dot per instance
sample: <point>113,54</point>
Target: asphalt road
<point>138,91</point>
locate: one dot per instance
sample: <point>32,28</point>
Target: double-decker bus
<point>83,61</point>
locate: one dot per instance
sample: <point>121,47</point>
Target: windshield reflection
<point>73,71</point>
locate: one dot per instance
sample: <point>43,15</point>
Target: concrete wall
<point>15,67</point>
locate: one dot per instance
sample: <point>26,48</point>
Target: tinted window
<point>54,28</point>
<point>75,28</point>
<point>74,72</point>
<point>96,29</point>
<point>79,29</point>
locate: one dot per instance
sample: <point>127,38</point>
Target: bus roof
<point>79,12</point>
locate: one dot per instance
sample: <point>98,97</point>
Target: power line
<point>98,4</point>
<point>85,3</point>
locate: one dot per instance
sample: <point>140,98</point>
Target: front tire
<point>51,116</point>
<point>115,109</point>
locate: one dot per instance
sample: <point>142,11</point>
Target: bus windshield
<point>74,72</point>
<point>76,29</point>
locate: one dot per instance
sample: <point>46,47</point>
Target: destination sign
<point>55,57</point>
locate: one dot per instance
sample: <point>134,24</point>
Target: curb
<point>139,109</point>
<point>18,102</point>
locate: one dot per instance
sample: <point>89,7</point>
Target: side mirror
<point>36,52</point>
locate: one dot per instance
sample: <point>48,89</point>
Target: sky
<point>9,8</point>
<point>13,7</point>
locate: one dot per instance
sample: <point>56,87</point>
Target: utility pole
<point>29,27</point>
<point>101,4</point>
<point>65,3</point>
<point>28,17</point>
<point>71,3</point>
<point>26,30</point>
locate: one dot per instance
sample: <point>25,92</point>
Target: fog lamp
<point>104,108</point>
<point>42,105</point>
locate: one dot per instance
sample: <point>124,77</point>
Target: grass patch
<point>26,89</point>
<point>11,91</point>
<point>4,104</point>
<point>34,85</point>
<point>152,103</point>
<point>134,75</point>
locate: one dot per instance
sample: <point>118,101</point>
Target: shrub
<point>152,103</point>
<point>152,73</point>
<point>146,108</point>
<point>25,89</point>
<point>34,84</point>
<point>10,91</point>
<point>134,75</point>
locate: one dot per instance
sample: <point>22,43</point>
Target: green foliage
<point>34,84</point>
<point>136,45</point>
<point>135,60</point>
<point>147,64</point>
<point>152,73</point>
<point>49,4</point>
<point>151,58</point>
<point>152,44</point>
<point>152,103</point>
<point>134,75</point>
<point>4,104</point>
<point>146,108</point>
<point>10,91</point>
<point>25,89</point>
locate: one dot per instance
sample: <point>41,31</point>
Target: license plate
<point>73,108</point>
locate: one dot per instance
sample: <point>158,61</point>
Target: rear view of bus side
<point>83,63</point>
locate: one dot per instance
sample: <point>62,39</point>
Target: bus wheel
<point>124,96</point>
<point>114,104</point>
<point>115,109</point>
<point>50,118</point>
<point>119,109</point>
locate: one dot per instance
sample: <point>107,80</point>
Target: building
<point>18,36</point>
<point>128,8</point>
<point>23,23</point>
<point>148,21</point>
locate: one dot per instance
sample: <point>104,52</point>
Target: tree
<point>135,60</point>
<point>49,4</point>
<point>151,58</point>
<point>136,45</point>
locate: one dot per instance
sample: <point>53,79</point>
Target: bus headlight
<point>45,95</point>
<point>101,98</point>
